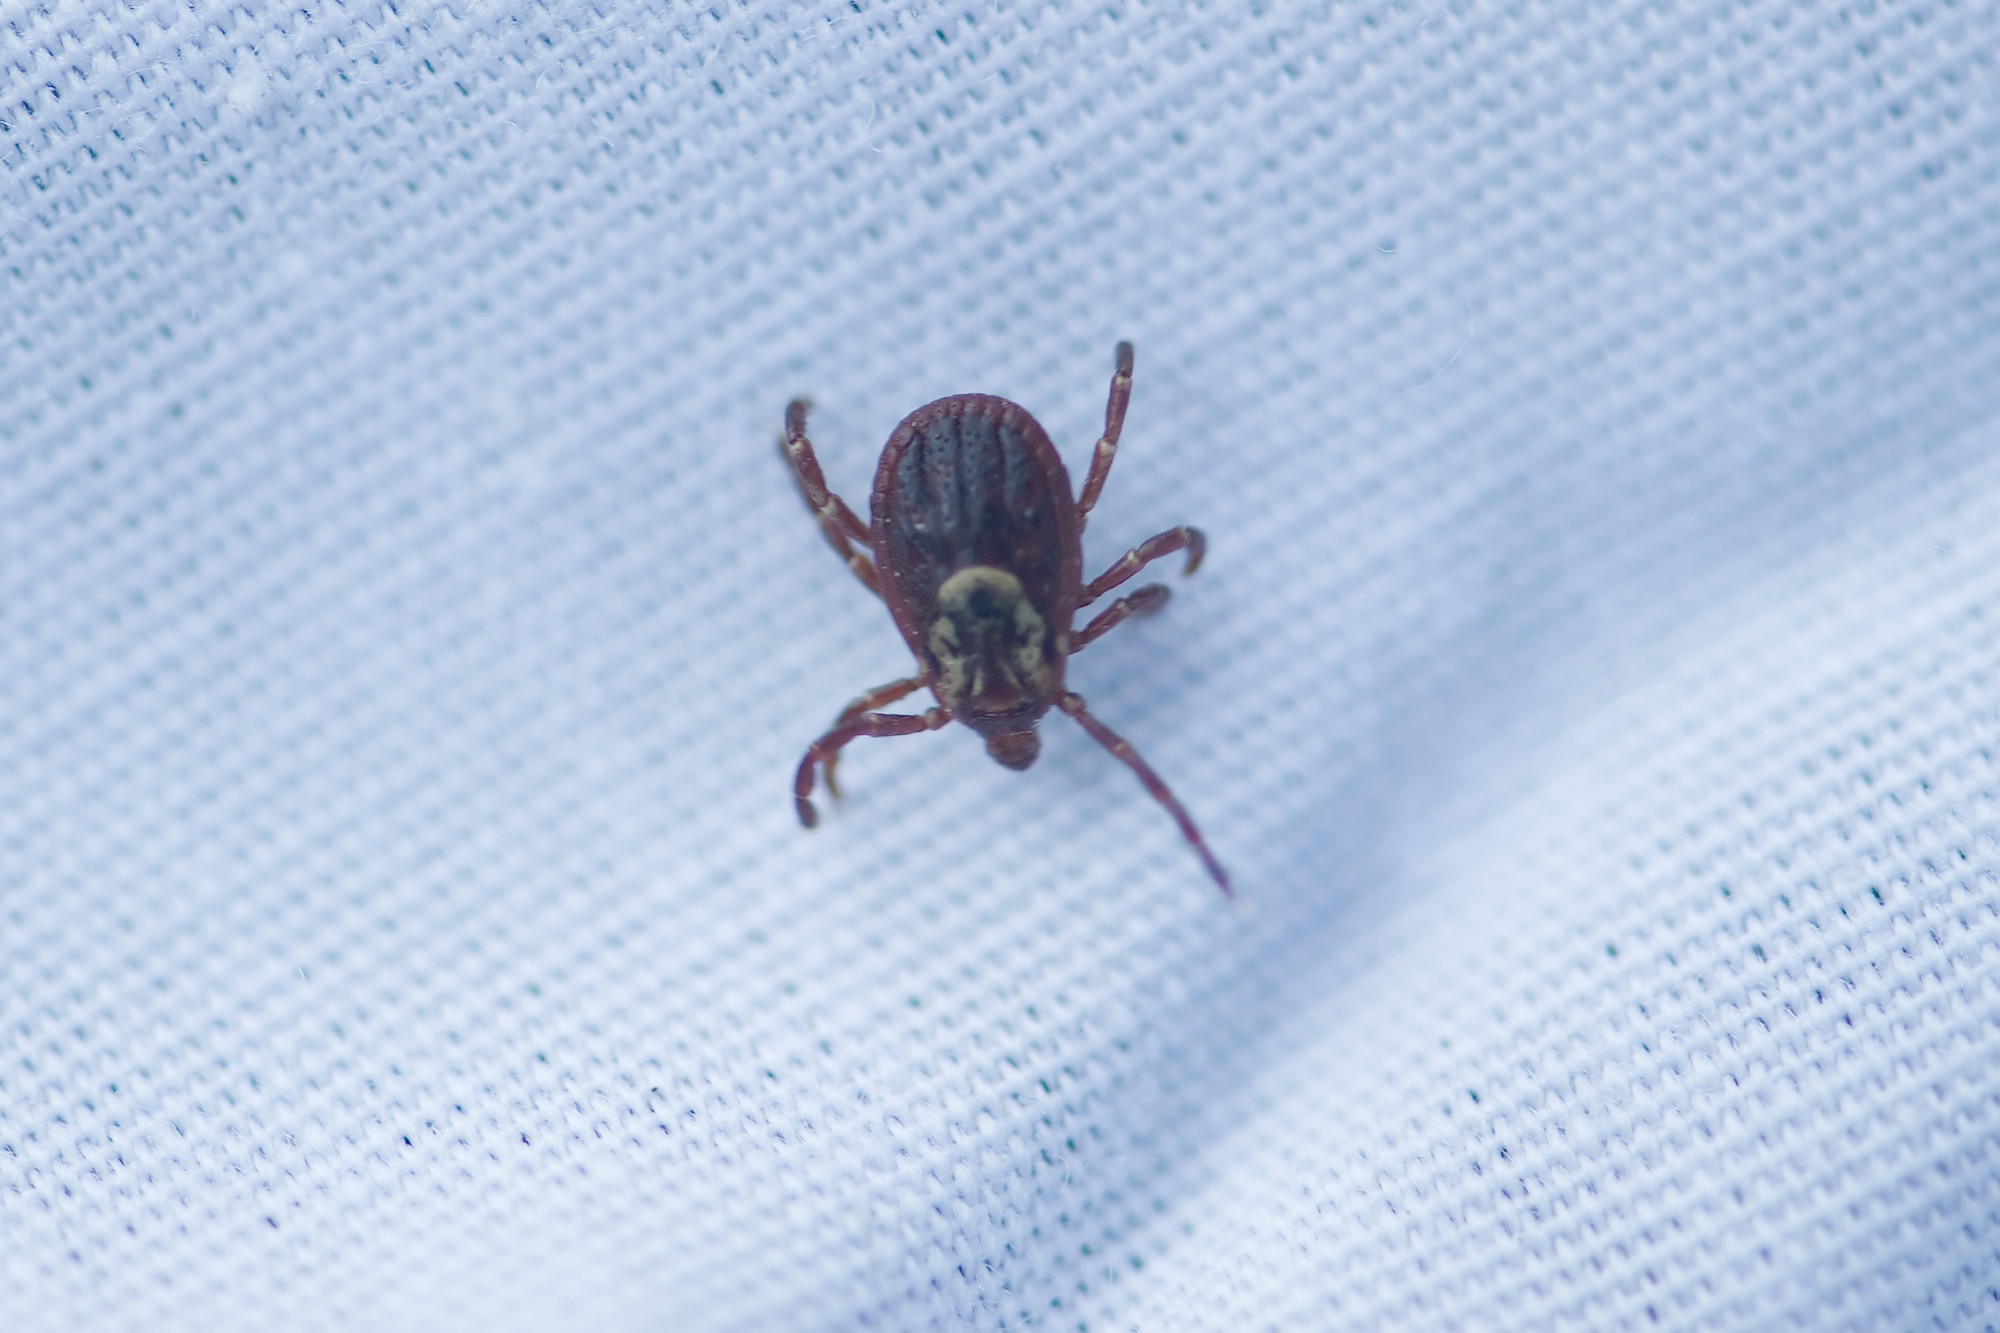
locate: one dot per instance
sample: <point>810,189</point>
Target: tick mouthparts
<point>1014,749</point>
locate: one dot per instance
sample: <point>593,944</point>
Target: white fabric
<point>408,631</point>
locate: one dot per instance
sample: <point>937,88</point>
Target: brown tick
<point>978,552</point>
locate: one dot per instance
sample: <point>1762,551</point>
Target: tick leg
<point>842,526</point>
<point>1114,424</point>
<point>1144,554</point>
<point>1112,741</point>
<point>868,703</point>
<point>1141,603</point>
<point>823,750</point>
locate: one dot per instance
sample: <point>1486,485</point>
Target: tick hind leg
<point>1145,553</point>
<point>1073,705</point>
<point>843,527</point>
<point>1114,425</point>
<point>826,750</point>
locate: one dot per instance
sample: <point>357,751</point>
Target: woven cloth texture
<point>408,632</point>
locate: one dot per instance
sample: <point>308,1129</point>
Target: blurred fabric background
<point>408,631</point>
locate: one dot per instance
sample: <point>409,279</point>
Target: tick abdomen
<point>974,481</point>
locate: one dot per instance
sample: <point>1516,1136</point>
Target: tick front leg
<point>1141,603</point>
<point>824,750</point>
<point>1112,741</point>
<point>842,526</point>
<point>868,703</point>
<point>1144,554</point>
<point>1114,425</point>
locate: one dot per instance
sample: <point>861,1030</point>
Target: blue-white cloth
<point>408,632</point>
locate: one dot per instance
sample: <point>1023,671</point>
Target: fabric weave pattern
<point>408,631</point>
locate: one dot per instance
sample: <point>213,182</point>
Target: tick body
<point>976,545</point>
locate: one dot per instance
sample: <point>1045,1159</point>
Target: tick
<point>977,547</point>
